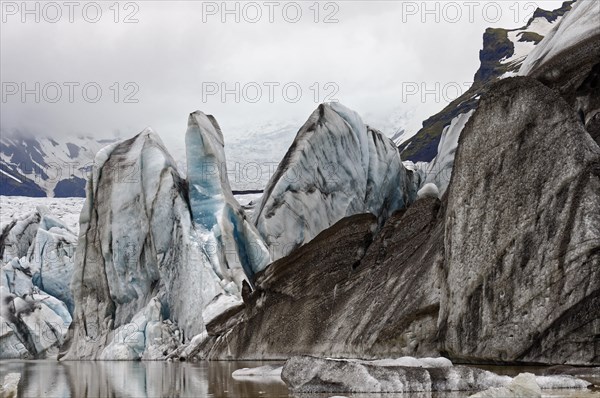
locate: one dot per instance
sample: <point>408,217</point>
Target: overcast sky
<point>177,56</point>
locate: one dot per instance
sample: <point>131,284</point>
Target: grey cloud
<point>369,54</point>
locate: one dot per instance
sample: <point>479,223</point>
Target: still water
<point>174,379</point>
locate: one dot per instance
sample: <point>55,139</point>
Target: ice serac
<point>522,241</point>
<point>234,245</point>
<point>336,167</point>
<point>34,318</point>
<point>17,236</point>
<point>51,258</point>
<point>33,324</point>
<point>140,265</point>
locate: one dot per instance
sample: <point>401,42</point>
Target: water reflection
<point>185,379</point>
<point>137,379</point>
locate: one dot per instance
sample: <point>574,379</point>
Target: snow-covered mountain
<point>503,53</point>
<point>45,166</point>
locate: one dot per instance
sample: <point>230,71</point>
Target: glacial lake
<point>83,379</point>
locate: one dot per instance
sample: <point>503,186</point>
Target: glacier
<point>336,167</point>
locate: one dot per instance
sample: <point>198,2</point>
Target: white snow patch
<point>11,176</point>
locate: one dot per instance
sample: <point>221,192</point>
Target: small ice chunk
<point>261,374</point>
<point>429,190</point>
<point>219,305</point>
<point>522,386</point>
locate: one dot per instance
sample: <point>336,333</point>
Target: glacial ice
<point>522,386</point>
<point>18,235</point>
<point>237,248</point>
<point>440,168</point>
<point>304,374</point>
<point>219,305</point>
<point>336,167</point>
<point>148,238</point>
<point>51,258</point>
<point>137,248</point>
<point>10,384</point>
<point>439,362</point>
<point>145,337</point>
<point>34,316</point>
<point>31,323</point>
<point>261,374</point>
<point>582,22</point>
<point>527,385</point>
<point>67,210</point>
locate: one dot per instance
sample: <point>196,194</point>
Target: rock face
<point>136,246</point>
<point>522,239</point>
<point>345,293</point>
<point>335,168</point>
